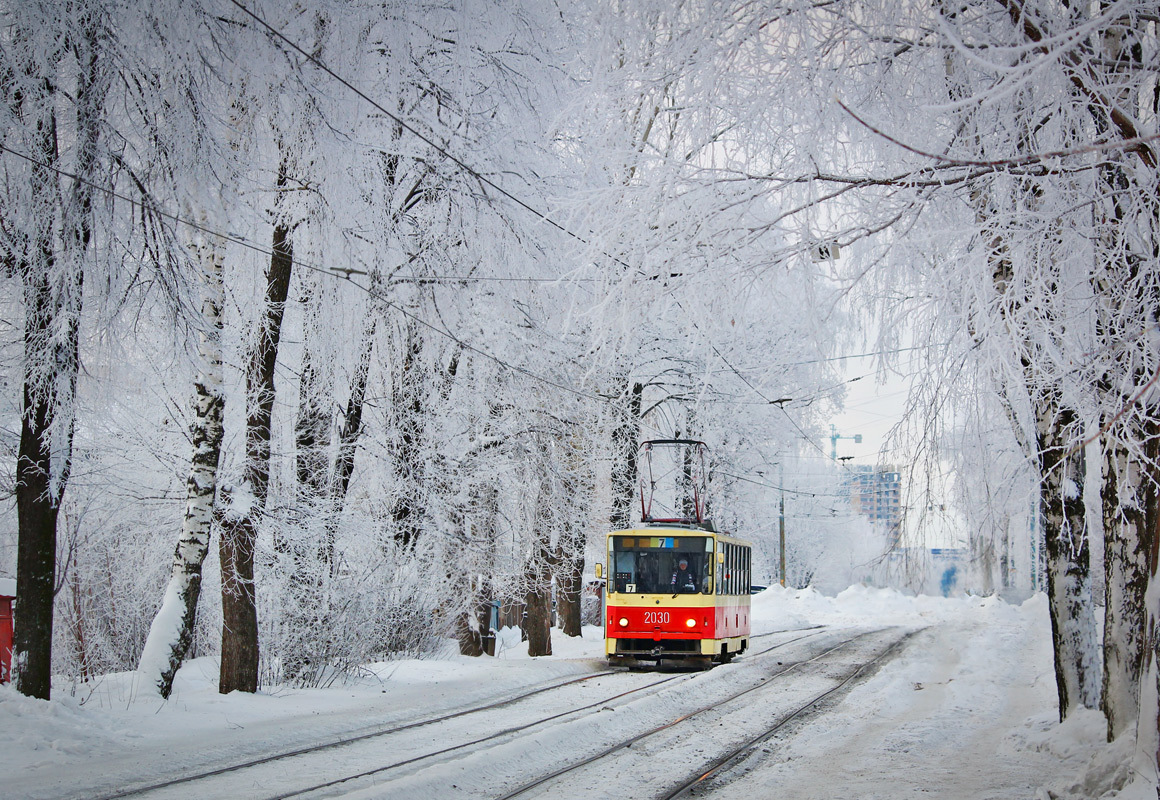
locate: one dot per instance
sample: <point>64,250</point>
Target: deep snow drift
<point>967,710</point>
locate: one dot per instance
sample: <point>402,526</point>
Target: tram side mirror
<point>599,570</point>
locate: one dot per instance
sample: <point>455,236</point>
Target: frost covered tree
<point>53,50</point>
<point>87,133</point>
<point>666,121</point>
<point>1045,147</point>
<point>1105,93</point>
<point>172,629</point>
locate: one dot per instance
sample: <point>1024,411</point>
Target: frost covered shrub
<point>111,568</point>
<point>381,603</point>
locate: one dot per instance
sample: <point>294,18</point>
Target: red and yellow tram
<point>676,593</point>
<point>677,589</point>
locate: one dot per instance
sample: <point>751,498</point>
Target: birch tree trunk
<point>1123,495</point>
<point>1125,583</point>
<point>1069,580</point>
<point>1148,720</point>
<point>172,629</point>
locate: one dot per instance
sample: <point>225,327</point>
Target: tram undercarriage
<point>638,652</point>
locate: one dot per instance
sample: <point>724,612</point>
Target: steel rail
<point>139,790</point>
<point>683,718</point>
<point>814,631</point>
<point>347,740</point>
<point>734,755</point>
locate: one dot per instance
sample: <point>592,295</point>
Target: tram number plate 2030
<point>656,617</point>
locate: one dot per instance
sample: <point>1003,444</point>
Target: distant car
<point>754,588</point>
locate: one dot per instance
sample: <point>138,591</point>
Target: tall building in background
<point>876,493</point>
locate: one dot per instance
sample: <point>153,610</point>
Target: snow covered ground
<point>967,710</point>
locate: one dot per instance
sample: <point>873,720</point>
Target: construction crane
<point>835,436</point>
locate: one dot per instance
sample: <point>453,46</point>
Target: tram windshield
<point>662,564</point>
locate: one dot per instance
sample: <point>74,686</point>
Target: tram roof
<point>677,529</point>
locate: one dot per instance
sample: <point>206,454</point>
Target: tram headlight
<point>624,622</point>
<point>691,623</point>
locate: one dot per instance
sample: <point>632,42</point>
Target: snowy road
<point>663,729</point>
<point>963,709</point>
<point>732,709</point>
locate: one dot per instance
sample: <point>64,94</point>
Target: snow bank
<point>865,605</point>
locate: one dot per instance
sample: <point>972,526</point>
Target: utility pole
<point>781,519</point>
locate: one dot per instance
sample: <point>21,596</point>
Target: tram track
<point>178,785</point>
<point>737,754</point>
<point>602,705</point>
<point>345,740</point>
<point>721,762</point>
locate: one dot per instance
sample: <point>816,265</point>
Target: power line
<point>332,273</point>
<point>467,168</point>
<point>346,275</point>
<point>854,490</point>
<point>871,354</point>
<point>463,165</point>
<point>765,485</point>
<point>420,279</point>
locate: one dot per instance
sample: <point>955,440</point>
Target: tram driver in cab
<point>683,578</point>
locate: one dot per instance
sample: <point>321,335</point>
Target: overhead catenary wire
<point>467,168</point>
<point>871,354</point>
<point>440,149</point>
<point>1130,143</point>
<point>348,273</point>
<point>345,274</point>
<point>457,161</point>
<point>332,273</point>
